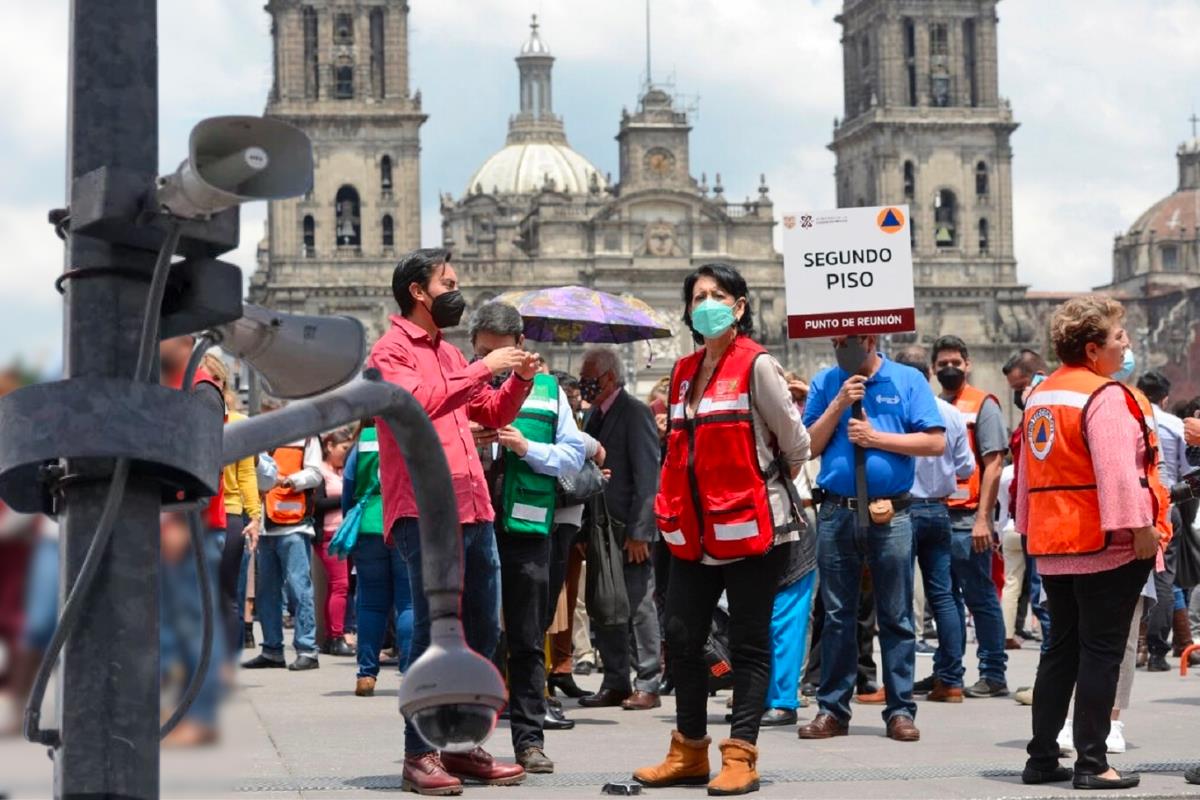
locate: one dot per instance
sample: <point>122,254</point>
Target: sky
<point>1102,89</point>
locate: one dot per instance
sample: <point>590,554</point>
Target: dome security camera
<point>233,160</point>
<point>451,694</point>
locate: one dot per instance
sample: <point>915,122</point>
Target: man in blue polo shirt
<point>900,422</point>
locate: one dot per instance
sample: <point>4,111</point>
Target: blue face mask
<point>712,318</point>
<point>1127,367</point>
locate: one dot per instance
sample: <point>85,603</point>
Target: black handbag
<point>582,486</point>
<point>1187,556</point>
<point>606,599</point>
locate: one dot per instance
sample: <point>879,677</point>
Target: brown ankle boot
<point>686,764</point>
<point>1181,631</point>
<point>739,773</point>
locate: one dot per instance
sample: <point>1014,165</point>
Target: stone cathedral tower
<point>341,75</point>
<point>925,125</point>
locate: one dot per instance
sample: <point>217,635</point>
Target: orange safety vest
<point>712,496</point>
<point>1064,506</point>
<point>287,506</point>
<point>970,402</point>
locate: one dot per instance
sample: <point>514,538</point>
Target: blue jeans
<point>181,628</point>
<point>931,548</point>
<point>382,589</point>
<point>789,640</point>
<point>972,573</point>
<point>480,603</point>
<point>887,551</point>
<point>283,564</point>
<point>41,595</point>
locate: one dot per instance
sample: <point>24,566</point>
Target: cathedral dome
<point>527,167</point>
<point>1177,215</point>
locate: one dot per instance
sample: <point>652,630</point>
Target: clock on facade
<point>660,162</point>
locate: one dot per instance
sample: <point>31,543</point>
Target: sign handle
<point>860,476</point>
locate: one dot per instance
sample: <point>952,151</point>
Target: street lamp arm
<point>371,396</point>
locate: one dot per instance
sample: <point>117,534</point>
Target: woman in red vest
<point>1094,512</point>
<point>724,509</point>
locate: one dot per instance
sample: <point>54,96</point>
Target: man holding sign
<point>849,277</point>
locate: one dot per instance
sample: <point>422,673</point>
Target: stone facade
<point>341,75</point>
<point>641,235</point>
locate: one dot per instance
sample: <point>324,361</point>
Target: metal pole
<point>108,689</point>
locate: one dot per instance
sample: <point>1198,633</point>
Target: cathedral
<point>924,123</point>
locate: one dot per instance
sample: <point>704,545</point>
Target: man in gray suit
<point>625,427</point>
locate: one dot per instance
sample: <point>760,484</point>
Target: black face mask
<point>589,388</point>
<point>951,378</point>
<point>852,354</point>
<point>447,309</point>
<point>1019,398</point>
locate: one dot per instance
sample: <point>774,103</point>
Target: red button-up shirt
<point>453,393</point>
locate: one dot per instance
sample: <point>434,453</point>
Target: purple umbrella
<point>567,314</point>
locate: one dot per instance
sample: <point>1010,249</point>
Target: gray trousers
<point>633,647</point>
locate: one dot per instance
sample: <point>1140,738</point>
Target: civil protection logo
<point>1040,433</point>
<point>789,221</point>
<point>890,220</point>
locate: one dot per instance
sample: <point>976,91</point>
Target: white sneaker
<point>1116,737</point>
<point>1066,741</point>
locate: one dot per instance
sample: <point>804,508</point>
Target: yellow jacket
<point>241,483</point>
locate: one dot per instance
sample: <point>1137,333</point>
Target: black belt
<point>899,501</point>
<point>928,501</point>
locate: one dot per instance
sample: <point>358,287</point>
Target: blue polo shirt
<point>898,400</point>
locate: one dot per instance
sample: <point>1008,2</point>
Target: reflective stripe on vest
<point>712,498</point>
<point>1063,501</point>
<point>528,497</point>
<point>969,403</point>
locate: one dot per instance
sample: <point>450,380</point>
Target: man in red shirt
<point>414,354</point>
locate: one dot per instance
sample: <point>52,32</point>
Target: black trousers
<point>1090,617</point>
<point>1158,626</point>
<point>525,598</point>
<point>562,539</point>
<point>228,572</point>
<point>692,595</point>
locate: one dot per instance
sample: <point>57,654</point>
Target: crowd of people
<point>741,528</point>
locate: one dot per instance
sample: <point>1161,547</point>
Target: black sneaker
<point>303,662</point>
<point>986,688</point>
<point>262,661</point>
<point>924,686</point>
<point>339,647</point>
<point>1158,664</point>
<point>1192,775</point>
<point>808,689</point>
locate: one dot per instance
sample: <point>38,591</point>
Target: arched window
<point>385,173</point>
<point>349,228</point>
<point>343,74</point>
<point>983,235</point>
<point>389,235</point>
<point>945,209</point>
<point>981,179</point>
<point>910,180</point>
<point>310,236</point>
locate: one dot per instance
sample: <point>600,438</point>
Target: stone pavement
<point>307,736</point>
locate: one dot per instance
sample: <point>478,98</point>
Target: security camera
<point>296,355</point>
<point>234,160</point>
<point>451,694</point>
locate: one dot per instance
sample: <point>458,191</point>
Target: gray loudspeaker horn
<point>234,160</point>
<point>296,355</point>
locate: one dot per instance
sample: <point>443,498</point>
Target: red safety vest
<point>1064,505</point>
<point>214,516</point>
<point>969,401</point>
<point>712,496</point>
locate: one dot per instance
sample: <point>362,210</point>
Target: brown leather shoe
<point>875,698</point>
<point>941,693</point>
<point>365,687</point>
<point>1012,644</point>
<point>825,726</point>
<point>425,774</point>
<point>478,765</point>
<point>641,701</point>
<point>604,698</point>
<point>902,729</point>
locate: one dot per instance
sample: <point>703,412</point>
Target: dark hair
<point>565,380</point>
<point>416,267</point>
<point>498,318</point>
<point>1028,361</point>
<point>730,281</point>
<point>1155,386</point>
<point>914,356</point>
<point>948,343</point>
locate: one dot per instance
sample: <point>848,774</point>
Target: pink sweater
<point>1118,448</point>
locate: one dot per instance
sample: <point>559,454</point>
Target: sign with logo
<point>849,272</point>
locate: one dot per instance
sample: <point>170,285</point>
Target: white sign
<point>848,272</point>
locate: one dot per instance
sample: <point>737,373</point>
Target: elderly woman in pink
<point>1094,512</point>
